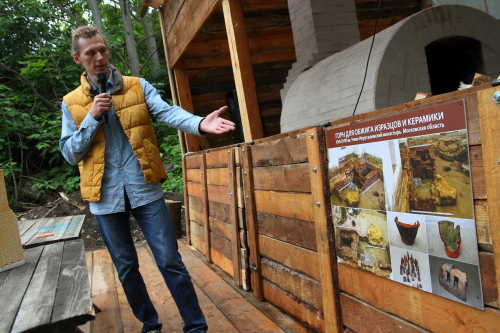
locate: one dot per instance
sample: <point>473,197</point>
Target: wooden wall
<point>208,63</point>
<point>289,229</point>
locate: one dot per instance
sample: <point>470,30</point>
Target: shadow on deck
<point>227,307</point>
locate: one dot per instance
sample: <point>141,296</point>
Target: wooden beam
<point>235,232</point>
<point>327,258</point>
<point>251,222</point>
<point>204,201</point>
<point>186,199</point>
<point>489,115</point>
<point>243,71</point>
<point>185,101</point>
<point>188,22</point>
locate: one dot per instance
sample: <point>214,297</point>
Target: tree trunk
<point>129,39</point>
<point>96,15</point>
<point>154,60</point>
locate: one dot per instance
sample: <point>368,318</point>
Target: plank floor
<point>227,307</point>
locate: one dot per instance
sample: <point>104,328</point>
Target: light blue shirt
<point>122,170</point>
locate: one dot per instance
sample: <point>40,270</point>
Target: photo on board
<point>362,239</point>
<point>436,175</point>
<point>407,231</point>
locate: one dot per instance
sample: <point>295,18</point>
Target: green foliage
<point>37,70</point>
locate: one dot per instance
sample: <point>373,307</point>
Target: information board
<point>402,200</point>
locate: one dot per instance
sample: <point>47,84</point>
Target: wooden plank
<point>25,225</point>
<point>162,300</point>
<point>286,178</point>
<point>189,20</point>
<point>293,231</point>
<point>33,231</point>
<point>251,222</point>
<point>490,131</point>
<point>488,278</point>
<point>243,315</point>
<point>195,190</point>
<point>294,257</point>
<point>204,201</point>
<point>219,210</point>
<point>233,212</point>
<point>193,175</point>
<point>187,199</point>
<point>13,287</point>
<point>217,159</point>
<point>294,205</point>
<point>197,216</point>
<point>477,172</point>
<point>292,305</point>
<point>222,262</point>
<point>56,226</point>
<point>75,228</point>
<point>165,305</point>
<point>185,101</point>
<point>198,237</point>
<point>73,296</point>
<point>242,70</point>
<point>219,176</point>
<point>256,58</point>
<point>286,322</point>
<point>219,194</point>
<point>483,230</point>
<point>221,245</point>
<point>259,40</point>
<point>170,10</point>
<point>305,288</point>
<point>364,318</point>
<point>327,257</point>
<point>104,295</point>
<point>37,304</point>
<point>286,150</point>
<point>196,204</point>
<point>221,228</point>
<point>429,311</point>
<point>193,161</point>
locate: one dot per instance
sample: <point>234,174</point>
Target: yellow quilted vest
<point>132,111</point>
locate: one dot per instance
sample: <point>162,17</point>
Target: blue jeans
<point>154,221</point>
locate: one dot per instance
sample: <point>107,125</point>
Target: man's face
<point>93,56</point>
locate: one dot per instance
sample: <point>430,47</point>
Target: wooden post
<point>204,201</point>
<point>489,121</point>
<point>327,258</point>
<point>242,69</point>
<point>187,219</point>
<point>251,222</point>
<point>185,100</point>
<point>233,211</point>
<point>171,80</point>
<point>174,210</point>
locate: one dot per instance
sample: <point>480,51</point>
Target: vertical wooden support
<point>204,201</point>
<point>187,219</point>
<point>489,120</point>
<point>242,69</point>
<point>327,259</point>
<point>233,206</point>
<point>171,80</point>
<point>251,222</point>
<point>185,100</point>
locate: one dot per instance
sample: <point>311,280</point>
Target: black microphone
<point>101,88</point>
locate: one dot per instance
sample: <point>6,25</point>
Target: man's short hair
<point>84,32</point>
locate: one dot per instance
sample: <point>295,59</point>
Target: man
<point>121,168</point>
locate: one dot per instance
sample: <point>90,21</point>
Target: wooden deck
<point>228,308</point>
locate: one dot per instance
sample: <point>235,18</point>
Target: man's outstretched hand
<point>215,124</point>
